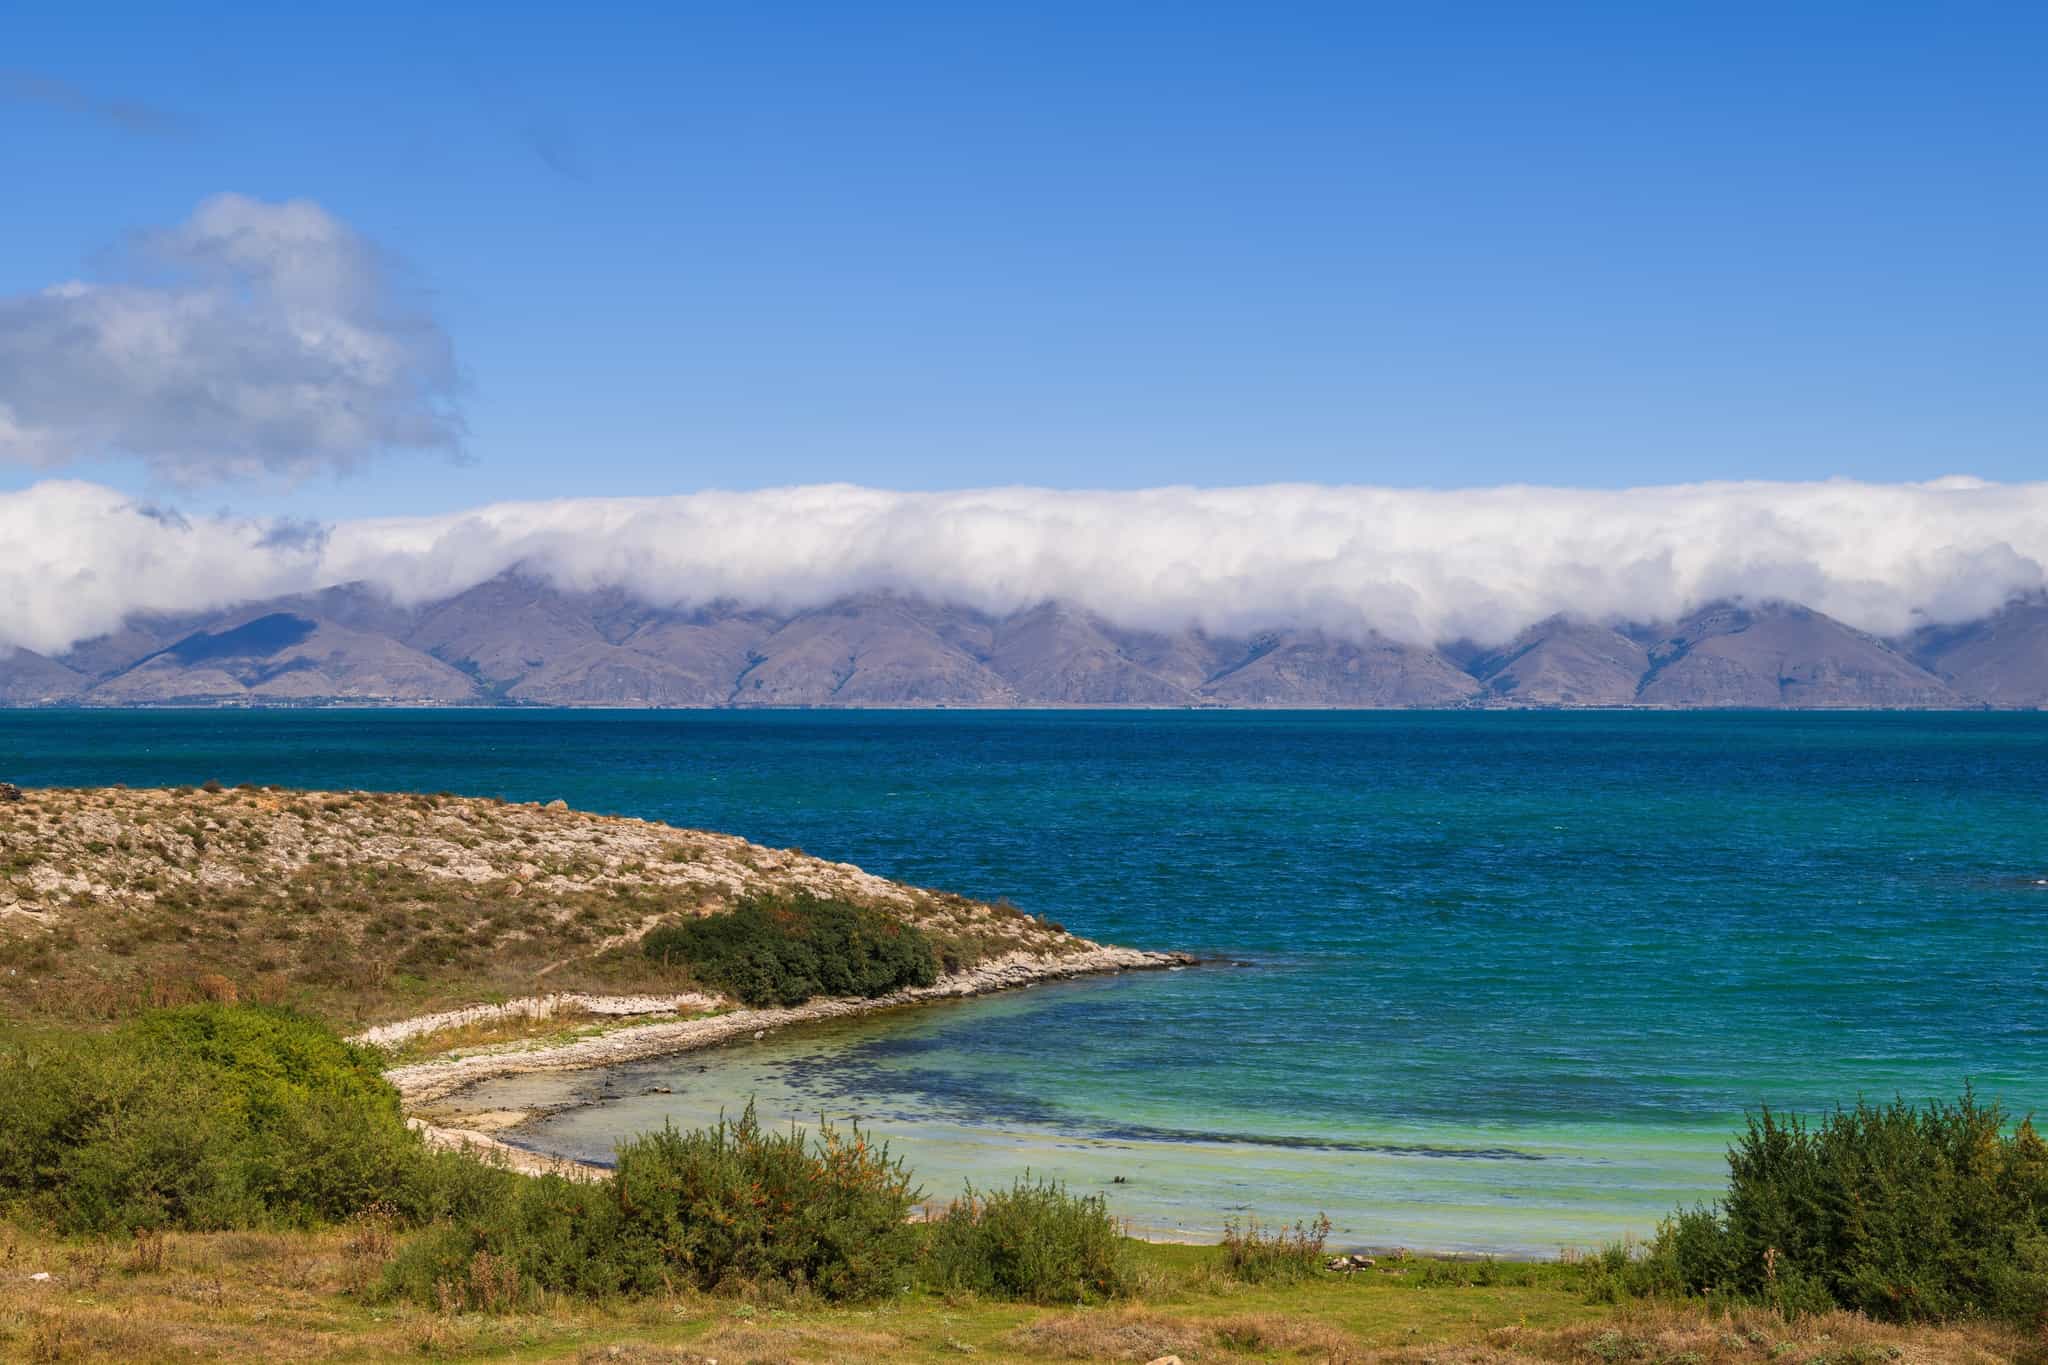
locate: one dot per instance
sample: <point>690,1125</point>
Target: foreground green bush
<point>1034,1242</point>
<point>1902,1213</point>
<point>220,1117</point>
<point>1281,1255</point>
<point>712,1208</point>
<point>786,951</point>
<point>212,1117</point>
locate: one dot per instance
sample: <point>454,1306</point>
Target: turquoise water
<point>1509,979</point>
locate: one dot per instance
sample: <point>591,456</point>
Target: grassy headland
<point>362,907</point>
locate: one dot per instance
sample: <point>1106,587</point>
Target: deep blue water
<point>1508,972</point>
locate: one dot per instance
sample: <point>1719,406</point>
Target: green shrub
<point>737,1202</point>
<point>1630,1269</point>
<point>213,1117</point>
<point>543,1235</point>
<point>1034,1242</point>
<point>784,951</point>
<point>707,1209</point>
<point>1898,1212</point>
<point>1280,1256</point>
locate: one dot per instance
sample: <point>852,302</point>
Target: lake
<point>1495,980</point>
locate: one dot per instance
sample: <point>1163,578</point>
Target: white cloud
<point>252,339</point>
<point>1421,566</point>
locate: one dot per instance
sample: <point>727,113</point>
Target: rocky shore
<point>431,1090</point>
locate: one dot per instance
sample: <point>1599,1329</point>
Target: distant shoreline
<point>774,708</point>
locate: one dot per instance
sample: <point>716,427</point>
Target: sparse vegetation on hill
<point>359,906</point>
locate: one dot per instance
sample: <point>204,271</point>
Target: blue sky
<point>932,246</point>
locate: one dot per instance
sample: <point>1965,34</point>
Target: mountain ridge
<point>515,640</point>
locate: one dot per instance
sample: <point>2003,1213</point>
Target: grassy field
<point>288,1296</point>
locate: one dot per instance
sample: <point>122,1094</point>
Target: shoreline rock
<point>427,1082</point>
<point>536,1007</point>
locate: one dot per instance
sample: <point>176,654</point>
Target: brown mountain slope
<point>1307,668</point>
<point>1777,654</point>
<point>280,656</point>
<point>502,630</point>
<point>519,640</point>
<point>1055,653</point>
<point>1560,662</point>
<point>2001,660</point>
<point>30,679</point>
<point>671,659</point>
<point>871,650</point>
<point>139,636</point>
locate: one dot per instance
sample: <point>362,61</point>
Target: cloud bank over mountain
<point>1421,567</point>
<point>252,340</point>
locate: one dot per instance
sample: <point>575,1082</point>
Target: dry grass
<point>296,1297</point>
<point>362,907</point>
<point>1652,1333</point>
<point>1120,1334</point>
<point>1645,1335</point>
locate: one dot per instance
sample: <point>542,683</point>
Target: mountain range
<point>516,640</point>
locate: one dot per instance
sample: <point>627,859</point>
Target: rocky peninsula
<point>472,937</point>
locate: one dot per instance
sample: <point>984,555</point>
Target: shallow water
<point>1514,978</point>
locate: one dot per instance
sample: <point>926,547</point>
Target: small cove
<point>900,1078</point>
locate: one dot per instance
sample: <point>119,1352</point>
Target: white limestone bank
<point>427,1087</point>
<point>424,1082</point>
<point>537,1007</point>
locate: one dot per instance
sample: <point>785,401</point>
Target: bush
<point>736,1202</point>
<point>707,1209</point>
<point>785,951</point>
<point>1898,1212</point>
<point>545,1234</point>
<point>212,1117</point>
<point>1281,1256</point>
<point>1034,1242</point>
